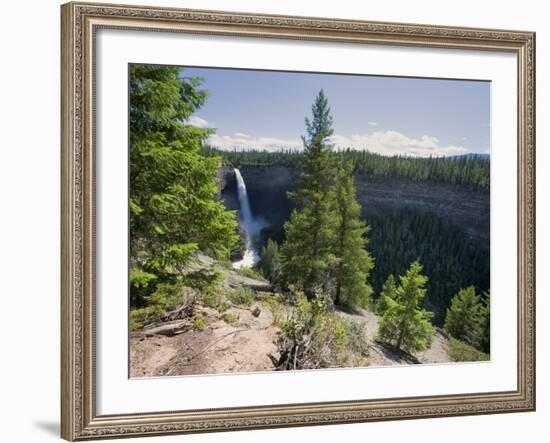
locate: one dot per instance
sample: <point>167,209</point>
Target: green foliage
<point>165,298</point>
<point>467,318</point>
<point>389,293</point>
<point>470,171</point>
<point>270,263</point>
<point>353,263</point>
<point>230,318</point>
<point>356,332</point>
<point>315,337</point>
<point>144,316</point>
<point>461,352</point>
<point>141,279</point>
<point>250,272</point>
<point>214,299</point>
<point>450,259</point>
<point>139,286</point>
<point>485,341</point>
<point>242,296</point>
<point>199,324</point>
<point>275,303</point>
<point>404,324</point>
<point>307,251</point>
<point>325,240</point>
<point>173,209</point>
<point>204,279</point>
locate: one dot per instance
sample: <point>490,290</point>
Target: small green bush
<point>242,296</point>
<point>357,337</point>
<point>144,316</point>
<point>199,324</point>
<point>212,299</point>
<point>315,337</point>
<point>278,308</point>
<point>230,318</point>
<point>461,351</point>
<point>250,272</point>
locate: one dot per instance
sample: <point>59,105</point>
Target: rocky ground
<point>242,338</point>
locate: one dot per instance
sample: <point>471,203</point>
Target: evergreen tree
<point>466,317</point>
<point>309,234</point>
<point>353,261</point>
<point>270,262</point>
<point>173,209</point>
<point>387,294</point>
<point>485,342</point>
<point>405,325</point>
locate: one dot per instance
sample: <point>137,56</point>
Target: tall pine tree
<point>353,263</point>
<point>309,234</point>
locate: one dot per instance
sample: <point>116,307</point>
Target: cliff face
<point>464,208</point>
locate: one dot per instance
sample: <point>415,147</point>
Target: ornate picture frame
<point>80,23</point>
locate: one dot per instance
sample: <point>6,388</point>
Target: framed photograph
<point>283,221</point>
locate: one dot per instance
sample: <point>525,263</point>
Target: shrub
<point>215,300</point>
<point>230,318</point>
<point>242,296</point>
<point>166,297</point>
<point>461,352</point>
<point>199,324</point>
<point>250,272</point>
<point>143,316</point>
<point>278,308</point>
<point>313,337</point>
<point>357,337</point>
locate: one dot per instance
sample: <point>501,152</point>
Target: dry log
<point>169,329</point>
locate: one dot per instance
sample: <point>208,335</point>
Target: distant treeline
<point>472,171</point>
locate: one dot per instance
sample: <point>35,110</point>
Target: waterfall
<point>250,226</point>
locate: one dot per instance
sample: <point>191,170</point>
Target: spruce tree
<point>485,341</point>
<point>353,261</point>
<point>405,325</point>
<point>466,317</point>
<point>388,293</point>
<point>309,234</point>
<point>173,209</point>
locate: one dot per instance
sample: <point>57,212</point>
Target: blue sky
<point>388,115</point>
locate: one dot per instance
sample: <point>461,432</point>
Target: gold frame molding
<point>79,22</point>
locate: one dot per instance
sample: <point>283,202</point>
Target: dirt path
<point>242,345</point>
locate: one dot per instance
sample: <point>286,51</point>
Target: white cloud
<point>396,143</point>
<point>381,142</point>
<point>242,141</point>
<point>197,121</point>
<point>372,123</point>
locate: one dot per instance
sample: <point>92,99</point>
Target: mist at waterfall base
<point>251,226</point>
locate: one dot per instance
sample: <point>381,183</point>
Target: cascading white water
<point>249,225</point>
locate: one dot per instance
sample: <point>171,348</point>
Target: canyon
<point>466,209</point>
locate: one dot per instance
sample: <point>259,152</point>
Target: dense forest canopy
<point>472,171</point>
<point>451,260</point>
